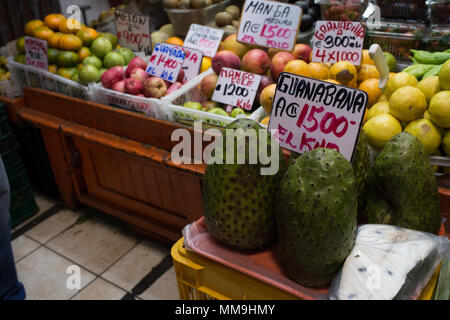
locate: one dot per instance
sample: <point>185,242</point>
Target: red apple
<point>155,87</point>
<point>139,74</point>
<point>265,81</point>
<point>225,59</point>
<point>180,77</point>
<point>136,62</point>
<point>119,86</point>
<point>279,61</point>
<point>208,85</point>
<point>133,86</point>
<point>302,51</point>
<point>111,76</point>
<point>256,61</point>
<point>174,87</point>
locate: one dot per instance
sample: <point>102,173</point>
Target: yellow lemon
<point>399,80</point>
<point>439,109</point>
<point>380,129</point>
<point>427,133</point>
<point>378,108</point>
<point>407,103</point>
<point>429,86</point>
<point>444,75</point>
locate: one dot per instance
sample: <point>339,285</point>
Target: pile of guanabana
<point>238,200</point>
<point>316,217</point>
<point>361,166</point>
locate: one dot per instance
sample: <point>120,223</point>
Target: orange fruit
<point>175,41</point>
<point>32,25</point>
<point>83,53</point>
<point>87,35</point>
<point>344,72</point>
<point>368,71</point>
<point>265,121</point>
<point>53,41</point>
<point>371,87</point>
<point>69,26</point>
<point>70,42</point>
<point>53,20</point>
<point>43,33</point>
<point>206,64</point>
<point>332,81</point>
<point>365,59</point>
<point>318,70</point>
<point>298,67</point>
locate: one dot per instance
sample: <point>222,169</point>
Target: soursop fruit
<point>239,202</point>
<point>388,262</point>
<point>402,188</point>
<point>361,166</point>
<point>316,218</point>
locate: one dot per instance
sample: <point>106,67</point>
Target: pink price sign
<point>269,24</point>
<point>338,41</point>
<point>192,63</point>
<point>203,38</point>
<point>308,114</point>
<point>36,53</point>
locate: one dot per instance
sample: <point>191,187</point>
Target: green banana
<point>427,57</point>
<point>432,72</point>
<point>418,70</point>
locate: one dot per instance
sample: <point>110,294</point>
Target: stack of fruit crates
<point>23,204</point>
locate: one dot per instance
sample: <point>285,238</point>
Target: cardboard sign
<point>203,38</point>
<point>36,53</point>
<point>236,88</point>
<point>166,61</point>
<point>310,114</point>
<point>269,24</point>
<point>335,41</point>
<point>192,63</point>
<point>133,31</point>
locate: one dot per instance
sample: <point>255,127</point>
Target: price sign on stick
<point>36,53</point>
<point>236,88</point>
<point>338,40</point>
<point>269,24</point>
<point>309,114</point>
<point>203,38</point>
<point>192,63</point>
<point>166,61</point>
<point>133,31</point>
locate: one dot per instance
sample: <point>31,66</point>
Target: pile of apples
<point>136,81</point>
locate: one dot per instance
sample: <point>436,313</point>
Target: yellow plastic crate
<point>200,278</point>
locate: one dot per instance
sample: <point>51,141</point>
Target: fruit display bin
<point>27,76</point>
<point>200,278</point>
<point>181,19</point>
<point>439,11</point>
<point>403,9</point>
<point>437,38</point>
<point>342,10</point>
<point>396,37</point>
<point>149,106</point>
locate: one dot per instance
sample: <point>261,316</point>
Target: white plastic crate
<point>149,106</point>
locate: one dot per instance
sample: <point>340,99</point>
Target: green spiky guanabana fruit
<point>238,201</point>
<point>361,166</point>
<point>316,218</point>
<point>402,188</point>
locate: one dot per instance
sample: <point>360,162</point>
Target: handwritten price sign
<point>133,31</point>
<point>205,39</point>
<point>310,114</point>
<point>36,53</point>
<point>192,63</point>
<point>236,88</point>
<point>166,61</point>
<point>269,24</point>
<point>338,40</point>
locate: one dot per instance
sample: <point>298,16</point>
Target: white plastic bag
<point>389,262</point>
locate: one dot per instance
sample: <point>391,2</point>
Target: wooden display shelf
<point>117,161</point>
<point>12,107</point>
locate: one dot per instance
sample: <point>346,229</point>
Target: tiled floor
<point>84,256</point>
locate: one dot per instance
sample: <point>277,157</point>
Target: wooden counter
<point>12,107</point>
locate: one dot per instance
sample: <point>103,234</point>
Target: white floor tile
<point>22,246</point>
<point>100,289</point>
<point>165,288</point>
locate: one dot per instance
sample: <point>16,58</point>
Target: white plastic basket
<point>149,106</point>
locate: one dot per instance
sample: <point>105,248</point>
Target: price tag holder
<point>335,41</point>
<point>236,88</point>
<point>203,38</point>
<point>36,53</point>
<point>269,24</point>
<point>192,63</point>
<point>166,61</point>
<point>133,31</point>
<point>308,114</point>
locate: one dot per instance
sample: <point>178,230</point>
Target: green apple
<point>193,105</point>
<point>236,112</point>
<point>219,111</point>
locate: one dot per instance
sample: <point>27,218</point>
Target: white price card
<point>192,63</point>
<point>205,39</point>
<point>237,88</point>
<point>166,61</point>
<point>335,41</point>
<point>269,24</point>
<point>133,31</point>
<point>308,114</point>
<point>36,53</point>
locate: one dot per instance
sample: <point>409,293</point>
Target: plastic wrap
<point>389,262</point>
